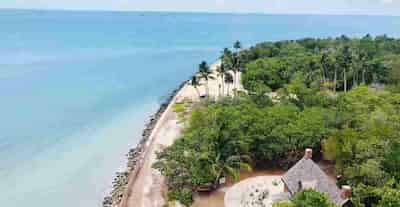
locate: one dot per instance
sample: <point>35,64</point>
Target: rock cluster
<point>121,179</point>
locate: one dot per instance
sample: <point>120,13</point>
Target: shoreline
<point>136,155</point>
<point>139,181</point>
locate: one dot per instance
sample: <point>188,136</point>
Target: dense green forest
<point>339,96</point>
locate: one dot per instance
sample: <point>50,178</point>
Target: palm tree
<point>205,73</point>
<point>230,166</point>
<point>228,80</point>
<point>195,83</point>
<point>362,57</point>
<point>226,53</point>
<point>221,73</point>
<point>236,61</point>
<point>222,166</point>
<point>314,71</point>
<point>226,58</point>
<point>237,45</point>
<point>345,79</point>
<point>335,77</point>
<point>333,65</point>
<point>236,69</point>
<point>356,67</point>
<point>346,62</point>
<point>326,63</point>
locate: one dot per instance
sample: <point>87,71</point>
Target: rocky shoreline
<point>135,155</point>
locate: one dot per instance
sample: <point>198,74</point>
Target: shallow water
<point>77,87</point>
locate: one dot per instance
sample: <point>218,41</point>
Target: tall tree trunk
<point>234,84</point>
<point>374,78</point>
<point>207,90</point>
<point>363,75</point>
<point>223,85</point>
<point>237,80</point>
<point>228,89</point>
<point>234,79</point>
<point>219,89</point>
<point>358,78</point>
<point>344,80</point>
<point>197,91</point>
<point>335,80</point>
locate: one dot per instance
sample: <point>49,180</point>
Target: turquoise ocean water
<point>77,87</point>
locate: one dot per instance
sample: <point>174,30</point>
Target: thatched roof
<point>306,174</point>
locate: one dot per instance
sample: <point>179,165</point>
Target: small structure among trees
<point>306,174</point>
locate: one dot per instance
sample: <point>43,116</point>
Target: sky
<point>369,7</point>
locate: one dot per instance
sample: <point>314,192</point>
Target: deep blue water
<point>77,87</point>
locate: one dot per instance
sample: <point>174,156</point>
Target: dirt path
<point>147,190</point>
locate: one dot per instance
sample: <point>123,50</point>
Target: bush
<point>311,198</point>
<point>283,204</point>
<point>390,199</point>
<point>184,196</point>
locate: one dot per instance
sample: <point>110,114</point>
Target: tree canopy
<point>339,96</point>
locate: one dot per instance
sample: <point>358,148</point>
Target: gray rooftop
<point>306,172</point>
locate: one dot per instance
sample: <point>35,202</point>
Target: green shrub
<point>311,198</point>
<point>390,199</point>
<point>184,196</point>
<point>179,107</point>
<point>283,204</point>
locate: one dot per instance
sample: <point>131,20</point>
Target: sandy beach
<point>146,185</point>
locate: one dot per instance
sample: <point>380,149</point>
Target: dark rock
<point>121,179</point>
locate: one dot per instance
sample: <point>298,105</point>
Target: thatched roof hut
<point>307,174</point>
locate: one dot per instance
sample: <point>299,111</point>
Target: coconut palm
<point>205,73</point>
<point>335,72</point>
<point>195,83</point>
<point>236,62</point>
<point>221,73</point>
<point>325,63</point>
<point>227,58</point>
<point>345,63</point>
<point>228,80</point>
<point>226,53</point>
<point>236,69</point>
<point>230,166</point>
<point>237,45</point>
<point>364,66</point>
<point>223,166</point>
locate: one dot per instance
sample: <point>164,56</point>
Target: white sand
<point>241,194</point>
<point>147,188</point>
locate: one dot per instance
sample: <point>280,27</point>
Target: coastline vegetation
<point>307,198</point>
<point>339,96</point>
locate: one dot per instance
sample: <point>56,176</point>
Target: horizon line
<point>194,12</point>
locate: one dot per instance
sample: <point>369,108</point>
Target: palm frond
<point>232,172</point>
<point>246,166</point>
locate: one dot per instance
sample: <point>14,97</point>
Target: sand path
<point>147,186</point>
